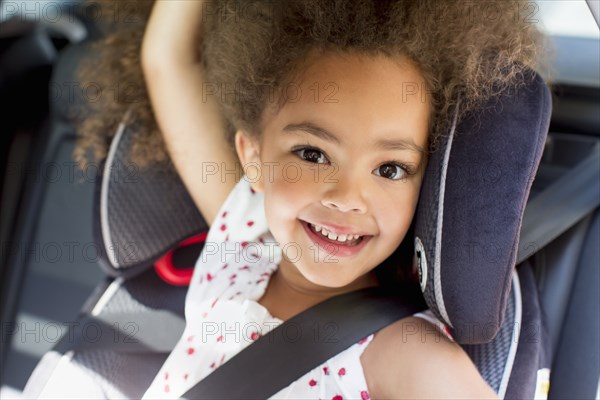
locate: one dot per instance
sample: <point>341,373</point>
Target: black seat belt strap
<point>301,344</point>
<point>560,206</point>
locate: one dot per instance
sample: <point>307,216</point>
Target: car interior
<point>105,253</point>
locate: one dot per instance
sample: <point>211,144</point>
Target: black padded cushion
<point>141,212</point>
<point>471,208</point>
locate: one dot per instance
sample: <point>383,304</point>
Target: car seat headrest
<point>140,212</point>
<point>471,207</point>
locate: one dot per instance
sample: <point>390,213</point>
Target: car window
<point>575,40</point>
<point>566,18</point>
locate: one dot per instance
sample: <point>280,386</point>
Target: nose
<point>345,195</point>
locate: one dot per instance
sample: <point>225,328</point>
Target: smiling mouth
<point>345,240</point>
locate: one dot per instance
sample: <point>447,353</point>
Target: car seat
<point>129,325</point>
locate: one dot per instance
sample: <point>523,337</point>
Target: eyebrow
<point>384,144</point>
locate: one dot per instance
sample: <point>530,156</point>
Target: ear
<point>248,151</point>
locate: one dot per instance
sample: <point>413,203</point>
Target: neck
<point>289,293</point>
<point>296,286</point>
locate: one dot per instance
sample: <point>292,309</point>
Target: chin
<point>326,274</point>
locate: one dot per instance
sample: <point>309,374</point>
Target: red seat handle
<point>168,272</point>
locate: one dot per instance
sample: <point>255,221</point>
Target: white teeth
<point>332,236</point>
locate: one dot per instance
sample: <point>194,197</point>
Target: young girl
<point>332,107</point>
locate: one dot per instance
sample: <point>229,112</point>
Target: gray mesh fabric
<point>143,211</point>
<point>120,366</point>
<point>146,293</point>
<point>120,375</point>
<point>491,357</point>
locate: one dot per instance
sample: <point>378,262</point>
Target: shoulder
<point>411,358</point>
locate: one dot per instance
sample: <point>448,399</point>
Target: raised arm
<point>193,127</point>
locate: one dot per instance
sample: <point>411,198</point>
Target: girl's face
<point>344,156</point>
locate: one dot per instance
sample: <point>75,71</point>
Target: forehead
<point>356,93</point>
<point>349,65</point>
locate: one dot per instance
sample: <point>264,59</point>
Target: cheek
<point>289,183</point>
<point>395,214</point>
<point>285,196</point>
<point>394,224</point>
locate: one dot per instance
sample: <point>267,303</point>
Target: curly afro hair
<point>465,49</point>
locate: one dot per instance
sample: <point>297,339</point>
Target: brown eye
<point>311,155</point>
<point>390,171</point>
